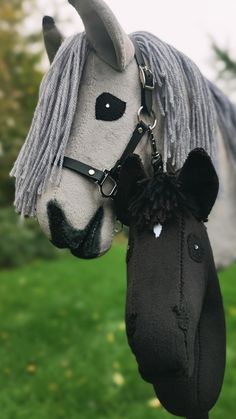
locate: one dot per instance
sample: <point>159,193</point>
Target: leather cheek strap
<point>147,80</point>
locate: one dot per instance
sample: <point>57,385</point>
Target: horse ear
<point>199,181</point>
<point>104,32</point>
<point>52,37</point>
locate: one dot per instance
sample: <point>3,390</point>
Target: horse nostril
<point>63,233</point>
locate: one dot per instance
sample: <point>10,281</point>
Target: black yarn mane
<point>159,199</point>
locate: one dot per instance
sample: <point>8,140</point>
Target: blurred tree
<point>228,63</point>
<point>20,75</point>
<point>226,70</point>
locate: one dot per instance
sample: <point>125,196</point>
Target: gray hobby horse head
<point>87,111</point>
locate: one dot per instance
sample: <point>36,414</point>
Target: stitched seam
<point>180,310</point>
<point>198,369</point>
<point>181,303</point>
<point>200,355</point>
<point>181,285</point>
<point>133,280</point>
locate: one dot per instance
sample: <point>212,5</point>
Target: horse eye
<point>109,107</point>
<point>195,248</point>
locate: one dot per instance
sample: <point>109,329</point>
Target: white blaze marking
<point>157,230</point>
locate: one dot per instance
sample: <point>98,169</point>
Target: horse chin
<point>82,253</point>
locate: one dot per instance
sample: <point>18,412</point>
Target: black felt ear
<point>199,181</point>
<point>131,172</point>
<point>52,37</point>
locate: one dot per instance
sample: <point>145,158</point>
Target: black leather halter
<point>111,177</point>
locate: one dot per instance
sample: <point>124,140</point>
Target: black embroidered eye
<point>195,248</point>
<point>109,107</point>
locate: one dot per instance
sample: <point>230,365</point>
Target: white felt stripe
<point>157,230</point>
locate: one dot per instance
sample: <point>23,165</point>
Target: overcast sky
<point>187,25</point>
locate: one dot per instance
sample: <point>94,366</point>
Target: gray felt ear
<point>52,37</point>
<point>104,32</point>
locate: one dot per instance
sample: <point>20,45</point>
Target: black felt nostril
<point>63,234</point>
<point>84,243</point>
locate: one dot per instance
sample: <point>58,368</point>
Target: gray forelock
<point>41,156</point>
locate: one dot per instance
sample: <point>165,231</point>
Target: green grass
<point>63,349</point>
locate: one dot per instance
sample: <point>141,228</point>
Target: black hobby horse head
<point>174,311</point>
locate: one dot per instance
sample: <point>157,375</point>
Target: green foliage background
<point>20,76</point>
<point>22,241</point>
<point>228,63</point>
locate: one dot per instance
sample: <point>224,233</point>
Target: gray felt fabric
<point>105,33</point>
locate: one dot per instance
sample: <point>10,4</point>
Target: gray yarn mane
<point>184,99</point>
<point>41,157</point>
<point>189,104</point>
<point>226,113</point>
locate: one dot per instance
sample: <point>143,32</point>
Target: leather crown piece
<point>148,201</point>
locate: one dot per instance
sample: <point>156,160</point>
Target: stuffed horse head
<point>105,96</point>
<point>89,106</point>
<point>174,310</point>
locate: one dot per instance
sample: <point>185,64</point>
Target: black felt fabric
<point>52,37</point>
<point>175,317</point>
<point>174,310</point>
<point>109,107</point>
<point>200,181</point>
<point>82,243</point>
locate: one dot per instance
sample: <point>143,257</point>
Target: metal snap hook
<point>113,185</point>
<point>154,123</point>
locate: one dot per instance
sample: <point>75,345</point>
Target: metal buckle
<point>107,176</point>
<point>145,72</point>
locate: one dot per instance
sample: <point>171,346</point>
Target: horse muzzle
<point>84,244</point>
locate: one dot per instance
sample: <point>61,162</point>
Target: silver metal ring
<point>154,124</point>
